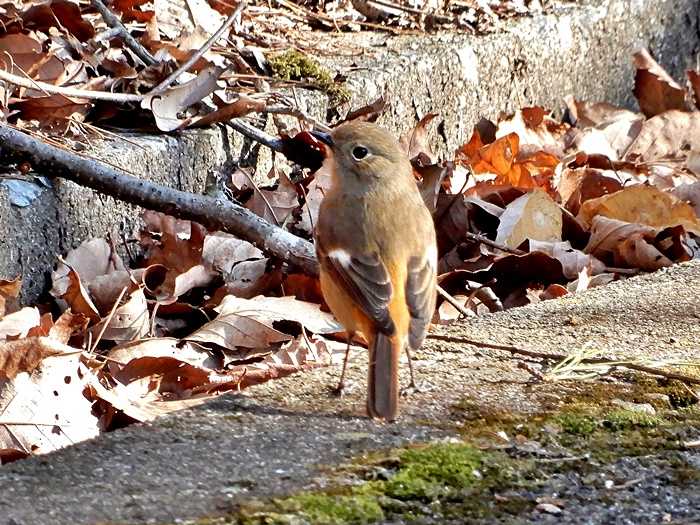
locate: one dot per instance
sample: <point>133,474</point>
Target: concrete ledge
<point>291,434</point>
<point>583,49</point>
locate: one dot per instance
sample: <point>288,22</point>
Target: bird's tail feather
<point>383,380</point>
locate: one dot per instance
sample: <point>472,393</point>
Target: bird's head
<point>364,153</point>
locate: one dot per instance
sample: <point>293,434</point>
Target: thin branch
<point>160,88</point>
<point>454,302</point>
<point>256,134</point>
<point>262,195</point>
<point>213,213</point>
<point>559,357</point>
<point>67,91</point>
<point>493,244</point>
<point>113,21</point>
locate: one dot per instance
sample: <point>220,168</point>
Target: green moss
<point>411,477</point>
<point>578,424</point>
<point>434,471</point>
<point>621,419</point>
<point>326,509</point>
<point>294,65</point>
<point>456,482</point>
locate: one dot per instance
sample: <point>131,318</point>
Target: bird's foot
<point>416,388</point>
<point>343,388</point>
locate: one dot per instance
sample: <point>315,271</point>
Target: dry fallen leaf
<point>533,216</point>
<point>47,410</point>
<point>130,321</point>
<point>655,90</point>
<point>19,323</point>
<point>644,205</point>
<point>572,261</point>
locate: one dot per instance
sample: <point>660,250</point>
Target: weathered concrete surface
<point>583,49</point>
<point>287,435</point>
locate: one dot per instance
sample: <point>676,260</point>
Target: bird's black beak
<point>323,137</point>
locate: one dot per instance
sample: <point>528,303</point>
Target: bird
<point>377,251</point>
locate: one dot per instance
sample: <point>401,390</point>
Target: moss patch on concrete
<point>294,65</point>
<point>472,480</point>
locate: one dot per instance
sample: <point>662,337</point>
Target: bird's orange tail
<point>383,380</point>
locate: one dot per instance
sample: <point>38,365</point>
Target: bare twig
<point>493,244</point>
<point>454,302</point>
<point>213,213</point>
<point>262,196</point>
<point>456,196</point>
<point>113,21</point>
<point>560,357</point>
<point>256,134</point>
<point>67,91</point>
<point>108,320</point>
<point>160,88</point>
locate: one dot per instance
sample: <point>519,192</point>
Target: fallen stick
<point>560,357</point>
<point>114,22</point>
<point>212,213</point>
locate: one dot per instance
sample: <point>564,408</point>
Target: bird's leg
<point>341,384</point>
<point>412,387</point>
<point>412,384</point>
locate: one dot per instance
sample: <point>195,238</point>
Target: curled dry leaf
<point>130,321</point>
<point>276,206</point>
<point>75,295</point>
<point>105,289</point>
<point>532,216</point>
<point>272,309</point>
<point>689,193</point>
<point>694,80</point>
<point>591,114</point>
<point>654,88</point>
<point>611,139</point>
<point>626,244</point>
<point>25,355</point>
<point>174,243</point>
<point>537,131</point>
<point>9,292</point>
<point>19,323</point>
<point>672,134</point>
<point>645,205</point>
<point>230,330</point>
<point>500,163</point>
<point>572,261</point>
<point>92,259</point>
<point>22,52</point>
<point>415,144</point>
<point>242,106</point>
<point>168,107</point>
<point>121,355</point>
<point>47,409</point>
<point>243,266</point>
<point>576,186</point>
<point>314,195</point>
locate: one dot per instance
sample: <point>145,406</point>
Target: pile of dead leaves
<point>529,209</point>
<point>123,345</point>
<point>532,209</point>
<point>64,69</point>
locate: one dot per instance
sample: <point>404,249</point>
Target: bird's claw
<point>415,388</point>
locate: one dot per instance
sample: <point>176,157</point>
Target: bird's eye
<point>359,152</point>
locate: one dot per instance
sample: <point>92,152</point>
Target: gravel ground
<point>287,435</point>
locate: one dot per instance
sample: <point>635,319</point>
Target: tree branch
<point>113,21</point>
<point>560,357</point>
<point>213,213</point>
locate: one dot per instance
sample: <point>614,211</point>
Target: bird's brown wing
<point>364,278</point>
<point>420,297</point>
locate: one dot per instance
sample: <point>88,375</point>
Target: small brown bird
<point>375,242</point>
